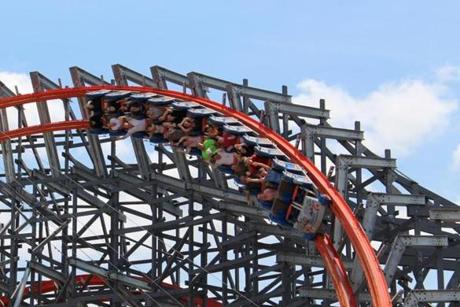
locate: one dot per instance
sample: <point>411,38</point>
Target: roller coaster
<point>236,202</point>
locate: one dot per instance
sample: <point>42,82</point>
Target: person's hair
<point>260,171</point>
<point>248,150</point>
<point>95,121</point>
<point>175,134</point>
<point>209,126</point>
<point>240,167</point>
<point>135,104</point>
<point>90,105</point>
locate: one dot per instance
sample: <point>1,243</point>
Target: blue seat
<point>223,120</point>
<point>139,135</point>
<point>323,200</point>
<point>226,169</point>
<point>117,95</point>
<point>267,152</point>
<point>309,236</point>
<point>265,204</point>
<point>195,152</point>
<point>237,180</point>
<point>158,139</point>
<point>273,177</point>
<point>97,131</point>
<point>117,132</point>
<point>285,197</point>
<point>160,101</point>
<point>184,105</point>
<point>141,97</point>
<point>286,192</point>
<point>305,182</point>
<point>298,179</point>
<point>257,141</point>
<point>97,94</point>
<point>237,129</point>
<point>200,112</point>
<point>253,188</point>
<point>286,166</point>
<point>280,219</point>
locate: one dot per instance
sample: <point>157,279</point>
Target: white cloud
<point>448,73</point>
<point>12,79</point>
<point>456,158</point>
<point>24,85</point>
<point>398,115</point>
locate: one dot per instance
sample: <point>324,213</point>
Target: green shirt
<point>209,148</point>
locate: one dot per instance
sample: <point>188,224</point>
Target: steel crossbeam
<point>136,217</point>
<point>7,150</point>
<point>81,78</point>
<point>40,83</point>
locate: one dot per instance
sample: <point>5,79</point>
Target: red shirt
<point>253,168</point>
<point>229,140</point>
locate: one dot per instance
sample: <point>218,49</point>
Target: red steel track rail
<point>336,270</point>
<point>48,286</point>
<point>56,126</point>
<point>369,263</point>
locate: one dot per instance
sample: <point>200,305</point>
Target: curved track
<point>86,280</point>
<point>366,255</point>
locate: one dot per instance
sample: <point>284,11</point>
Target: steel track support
<point>40,83</point>
<point>426,218</point>
<point>374,202</point>
<point>80,78</point>
<point>7,150</point>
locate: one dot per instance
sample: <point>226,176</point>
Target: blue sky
<point>356,48</point>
